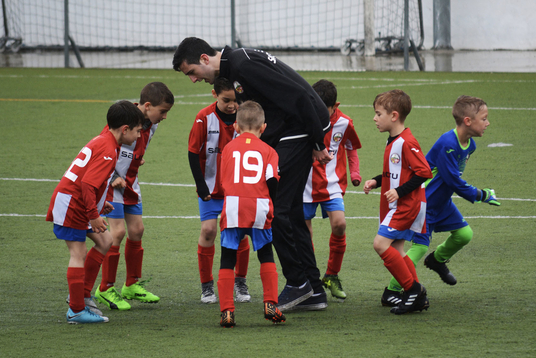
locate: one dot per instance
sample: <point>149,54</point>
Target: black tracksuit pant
<point>291,237</point>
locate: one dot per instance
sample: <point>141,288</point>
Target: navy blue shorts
<point>450,220</point>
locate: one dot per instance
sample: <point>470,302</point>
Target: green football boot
<point>112,299</point>
<point>138,292</point>
<point>333,283</point>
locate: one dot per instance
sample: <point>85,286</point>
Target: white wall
<point>487,24</point>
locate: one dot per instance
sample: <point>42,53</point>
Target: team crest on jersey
<point>238,87</point>
<point>337,137</point>
<point>395,158</point>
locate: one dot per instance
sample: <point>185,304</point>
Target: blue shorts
<point>394,234</point>
<point>70,234</point>
<point>450,220</point>
<point>309,209</point>
<point>231,237</point>
<point>210,209</point>
<point>120,210</point>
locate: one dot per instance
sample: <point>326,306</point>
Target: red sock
<point>134,261</point>
<point>109,268</point>
<point>92,267</point>
<point>397,267</point>
<point>225,289</point>
<point>411,267</point>
<point>242,258</point>
<point>75,281</point>
<point>337,247</point>
<point>205,259</point>
<point>269,282</point>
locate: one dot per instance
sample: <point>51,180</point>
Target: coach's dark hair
<point>466,106</point>
<point>190,50</point>
<point>124,112</point>
<point>327,92</point>
<point>222,84</point>
<point>394,100</point>
<point>156,93</point>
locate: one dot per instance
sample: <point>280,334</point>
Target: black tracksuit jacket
<point>293,110</point>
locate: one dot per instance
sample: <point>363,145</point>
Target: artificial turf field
<point>47,116</point>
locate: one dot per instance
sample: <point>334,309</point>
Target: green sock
<point>454,243</point>
<point>415,253</point>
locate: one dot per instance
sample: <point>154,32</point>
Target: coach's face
<point>204,71</point>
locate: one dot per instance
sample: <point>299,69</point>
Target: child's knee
<point>463,236</point>
<point>339,227</point>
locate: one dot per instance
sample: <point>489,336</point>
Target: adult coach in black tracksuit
<point>297,120</point>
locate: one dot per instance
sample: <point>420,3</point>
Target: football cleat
<point>241,290</point>
<point>84,316</point>
<point>412,300</point>
<point>333,283</point>
<point>88,301</point>
<point>112,299</point>
<point>272,313</point>
<point>227,319</point>
<point>391,298</point>
<point>442,270</point>
<point>138,292</point>
<point>207,293</point>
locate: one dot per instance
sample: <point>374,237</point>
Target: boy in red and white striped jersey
<point>327,184</point>
<point>124,193</point>
<point>249,169</point>
<point>403,201</point>
<point>210,133</point>
<point>77,202</point>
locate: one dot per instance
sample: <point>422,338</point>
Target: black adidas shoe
<point>442,270</point>
<point>412,300</point>
<point>391,298</point>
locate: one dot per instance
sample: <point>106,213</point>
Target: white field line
<point>348,217</point>
<point>193,185</point>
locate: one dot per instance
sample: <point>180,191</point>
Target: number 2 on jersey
<point>246,165</point>
<point>79,163</point>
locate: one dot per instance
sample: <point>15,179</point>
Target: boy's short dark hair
<point>466,106</point>
<point>124,112</point>
<point>394,100</point>
<point>190,50</point>
<point>250,115</point>
<point>156,93</point>
<point>327,92</point>
<point>222,84</point>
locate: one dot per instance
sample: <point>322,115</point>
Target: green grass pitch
<point>46,117</point>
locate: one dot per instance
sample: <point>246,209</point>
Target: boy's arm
<point>272,187</point>
<point>353,164</point>
<point>89,195</point>
<point>447,168</point>
<point>373,183</point>
<point>201,185</point>
<point>410,185</point>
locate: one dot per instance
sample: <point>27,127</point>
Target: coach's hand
<point>322,156</point>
